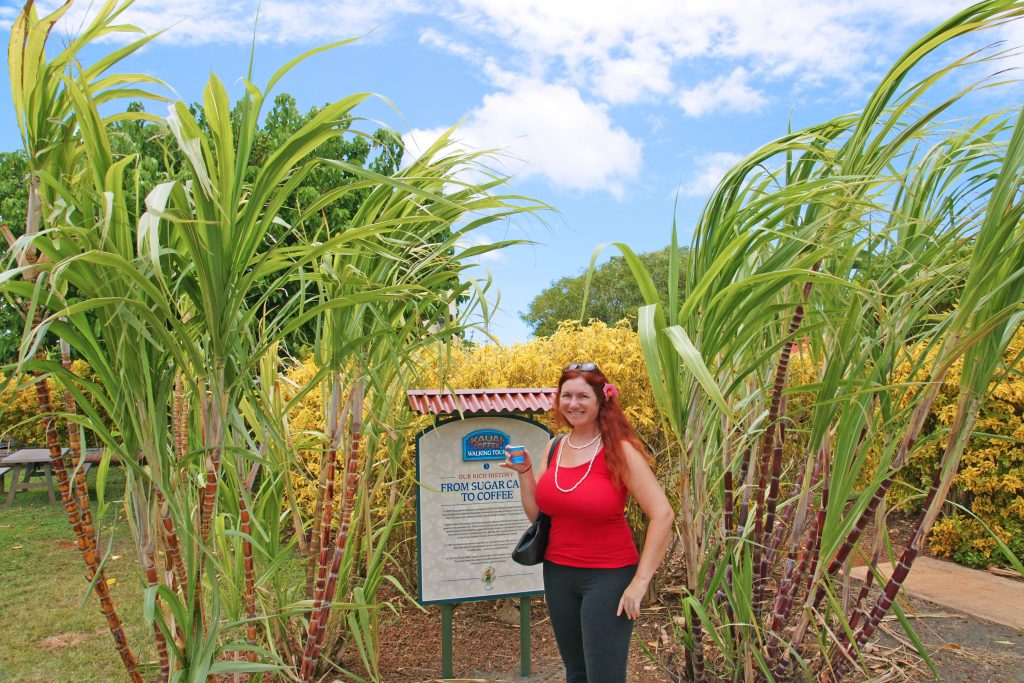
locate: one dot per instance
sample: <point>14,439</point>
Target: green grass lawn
<point>50,630</point>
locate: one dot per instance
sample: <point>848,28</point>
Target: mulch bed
<point>486,641</point>
<point>485,644</point>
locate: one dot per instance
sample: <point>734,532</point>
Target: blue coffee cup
<point>517,454</point>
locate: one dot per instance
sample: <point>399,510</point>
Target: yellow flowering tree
<point>533,364</point>
<point>990,482</point>
<point>20,425</point>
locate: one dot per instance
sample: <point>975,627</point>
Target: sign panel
<point>469,511</point>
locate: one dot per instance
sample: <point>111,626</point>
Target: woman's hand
<point>519,467</point>
<point>629,603</point>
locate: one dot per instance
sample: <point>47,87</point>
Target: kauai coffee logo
<point>485,444</point>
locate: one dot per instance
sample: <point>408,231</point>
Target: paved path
<point>971,591</point>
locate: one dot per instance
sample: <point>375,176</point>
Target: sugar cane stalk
<point>772,441</point>
<point>75,448</point>
<point>963,422</point>
<point>321,534</point>
<point>249,593</point>
<point>147,554</point>
<point>214,409</point>
<point>85,538</point>
<point>914,428</point>
<point>318,620</point>
<point>805,568</point>
<point>85,545</point>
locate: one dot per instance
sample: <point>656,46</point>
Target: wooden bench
<point>93,456</point>
<point>3,476</point>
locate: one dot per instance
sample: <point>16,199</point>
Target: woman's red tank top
<point>588,524</point>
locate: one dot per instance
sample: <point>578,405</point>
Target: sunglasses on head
<point>582,367</point>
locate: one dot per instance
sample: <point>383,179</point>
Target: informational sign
<point>469,510</point>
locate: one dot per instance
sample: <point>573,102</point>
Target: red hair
<point>611,420</point>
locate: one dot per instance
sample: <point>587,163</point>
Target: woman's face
<point>578,403</point>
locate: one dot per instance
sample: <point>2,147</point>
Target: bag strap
<point>554,445</point>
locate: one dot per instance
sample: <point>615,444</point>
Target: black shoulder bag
<point>531,547</point>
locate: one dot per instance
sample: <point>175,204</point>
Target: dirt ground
<point>486,647</point>
<point>962,647</point>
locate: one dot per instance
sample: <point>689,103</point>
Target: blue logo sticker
<point>485,444</point>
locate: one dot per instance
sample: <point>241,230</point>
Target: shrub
<point>20,425</point>
<point>536,363</point>
<point>990,482</point>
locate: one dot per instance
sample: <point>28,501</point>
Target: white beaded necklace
<point>588,444</point>
<point>590,464</point>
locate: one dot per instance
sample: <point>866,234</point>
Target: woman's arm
<point>529,474</point>
<point>644,486</point>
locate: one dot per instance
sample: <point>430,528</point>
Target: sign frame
<point>468,420</point>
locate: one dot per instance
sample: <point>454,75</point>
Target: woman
<point>594,579</point>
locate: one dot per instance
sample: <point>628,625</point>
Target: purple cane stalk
<point>772,438</point>
<point>895,583</point>
<point>318,620</point>
<point>917,421</point>
<point>796,564</point>
<point>249,594</point>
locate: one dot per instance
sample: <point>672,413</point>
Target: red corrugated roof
<point>477,401</point>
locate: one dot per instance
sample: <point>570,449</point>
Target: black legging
<point>593,642</point>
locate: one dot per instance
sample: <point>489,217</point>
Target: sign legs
<point>446,640</point>
<point>524,636</point>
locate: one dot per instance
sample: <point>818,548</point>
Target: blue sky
<point>605,109</point>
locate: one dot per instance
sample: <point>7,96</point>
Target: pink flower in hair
<point>610,390</point>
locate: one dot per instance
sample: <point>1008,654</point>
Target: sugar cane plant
<point>47,117</point>
<point>172,313</point>
<point>840,247</point>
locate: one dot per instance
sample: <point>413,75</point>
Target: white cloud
<point>633,78</point>
<point>1013,36</point>
<point>434,38</point>
<point>549,130</point>
<point>712,168</point>
<point>7,17</point>
<point>481,239</point>
<point>196,22</point>
<point>625,52</point>
<point>729,92</point>
<point>618,52</point>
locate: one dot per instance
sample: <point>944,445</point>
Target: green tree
<point>381,153</point>
<point>13,206</point>
<point>613,295</point>
<point>156,158</point>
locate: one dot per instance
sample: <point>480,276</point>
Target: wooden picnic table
<point>33,462</point>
